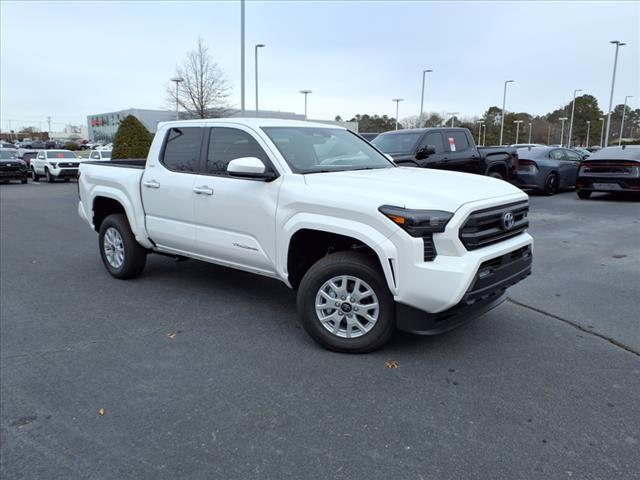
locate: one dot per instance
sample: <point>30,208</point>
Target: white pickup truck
<point>369,246</point>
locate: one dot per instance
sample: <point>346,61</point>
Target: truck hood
<point>412,187</point>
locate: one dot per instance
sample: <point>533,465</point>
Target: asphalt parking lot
<point>204,372</point>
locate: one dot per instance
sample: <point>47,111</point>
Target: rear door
<point>436,160</point>
<point>235,217</point>
<point>167,190</point>
<point>462,153</point>
<point>570,170</point>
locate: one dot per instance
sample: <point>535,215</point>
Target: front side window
<point>314,150</point>
<point>182,149</point>
<point>433,139</point>
<point>226,144</point>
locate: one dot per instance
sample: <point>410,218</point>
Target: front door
<point>235,216</point>
<point>437,159</point>
<point>461,152</point>
<point>168,190</point>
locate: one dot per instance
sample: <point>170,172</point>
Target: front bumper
<point>13,174</point>
<point>65,172</point>
<point>487,291</point>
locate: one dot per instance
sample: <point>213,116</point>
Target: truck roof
<point>419,130</point>
<point>251,122</point>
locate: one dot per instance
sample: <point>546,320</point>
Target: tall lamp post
<point>260,45</point>
<point>177,80</point>
<point>518,122</point>
<point>305,93</point>
<point>529,133</point>
<point>424,73</point>
<point>588,129</point>
<point>397,100</point>
<point>242,55</point>
<point>573,109</point>
<point>602,132</point>
<point>618,44</point>
<point>453,117</point>
<point>480,123</point>
<point>624,110</point>
<point>504,102</point>
<point>562,120</point>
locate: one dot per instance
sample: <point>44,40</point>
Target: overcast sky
<point>71,59</point>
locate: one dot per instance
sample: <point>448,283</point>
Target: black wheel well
<point>307,246</point>
<point>499,167</point>
<point>102,208</point>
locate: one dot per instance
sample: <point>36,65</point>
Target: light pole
<point>549,134</point>
<point>588,129</point>
<point>397,100</point>
<point>624,110</point>
<point>484,135</point>
<point>602,132</point>
<point>563,119</point>
<point>242,55</point>
<point>453,117</point>
<point>618,44</point>
<point>504,102</point>
<point>260,45</point>
<point>177,80</point>
<point>424,73</point>
<point>480,122</point>
<point>573,109</point>
<point>529,133</point>
<point>518,122</point>
<point>305,93</point>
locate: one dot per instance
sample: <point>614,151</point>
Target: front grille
<point>68,165</point>
<point>485,227</point>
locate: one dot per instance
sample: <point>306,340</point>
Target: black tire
<point>24,180</point>
<point>66,179</point>
<point>583,194</point>
<point>135,256</point>
<point>497,175</point>
<point>34,176</point>
<point>551,184</point>
<point>50,178</point>
<point>364,268</point>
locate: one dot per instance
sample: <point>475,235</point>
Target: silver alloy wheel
<point>113,247</point>
<point>347,306</point>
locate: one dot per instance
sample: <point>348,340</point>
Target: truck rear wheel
<point>345,305</point>
<point>121,254</point>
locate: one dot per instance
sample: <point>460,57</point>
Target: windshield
<point>314,150</point>
<point>7,155</point>
<point>61,155</point>
<point>404,142</point>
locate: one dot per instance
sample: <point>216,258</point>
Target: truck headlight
<point>53,164</point>
<point>417,223</point>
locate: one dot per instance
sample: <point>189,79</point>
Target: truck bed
<point>138,163</point>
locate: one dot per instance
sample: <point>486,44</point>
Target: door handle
<point>203,190</point>
<point>151,184</point>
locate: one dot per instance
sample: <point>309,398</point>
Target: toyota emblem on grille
<point>508,221</point>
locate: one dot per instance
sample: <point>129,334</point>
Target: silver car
<point>547,169</point>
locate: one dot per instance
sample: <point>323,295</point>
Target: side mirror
<point>249,167</point>
<point>424,152</point>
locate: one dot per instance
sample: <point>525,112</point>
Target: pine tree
<point>132,140</point>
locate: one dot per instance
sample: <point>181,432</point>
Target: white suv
<point>53,164</point>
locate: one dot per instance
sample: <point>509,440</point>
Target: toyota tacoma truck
<point>447,148</point>
<point>369,246</point>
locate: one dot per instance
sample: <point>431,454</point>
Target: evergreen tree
<point>132,140</point>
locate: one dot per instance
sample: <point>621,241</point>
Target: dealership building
<point>103,126</point>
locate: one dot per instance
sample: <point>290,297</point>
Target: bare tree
<point>204,89</point>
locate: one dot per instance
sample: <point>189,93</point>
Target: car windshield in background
<point>397,142</point>
<point>7,155</point>
<point>61,155</point>
<point>314,150</point>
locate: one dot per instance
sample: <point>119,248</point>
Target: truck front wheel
<point>121,254</point>
<point>345,305</point>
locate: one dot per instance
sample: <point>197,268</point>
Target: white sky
<point>71,59</point>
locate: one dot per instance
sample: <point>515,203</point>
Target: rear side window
<point>557,154</point>
<point>182,149</point>
<point>433,139</point>
<point>457,141</point>
<point>226,144</point>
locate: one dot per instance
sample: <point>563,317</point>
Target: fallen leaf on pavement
<point>101,411</point>
<point>392,364</point>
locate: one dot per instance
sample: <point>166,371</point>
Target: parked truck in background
<point>369,246</point>
<point>448,149</point>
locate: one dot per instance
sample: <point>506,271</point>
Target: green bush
<point>132,140</point>
<point>71,146</point>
